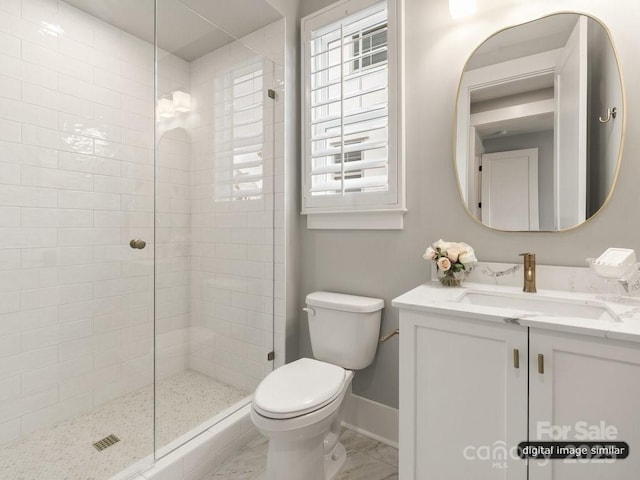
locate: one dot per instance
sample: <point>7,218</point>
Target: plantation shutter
<point>346,127</point>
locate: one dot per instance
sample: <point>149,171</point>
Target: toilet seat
<point>298,388</point>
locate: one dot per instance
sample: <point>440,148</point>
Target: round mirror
<point>539,125</point>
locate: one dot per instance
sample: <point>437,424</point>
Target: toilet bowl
<point>303,441</point>
<point>299,406</point>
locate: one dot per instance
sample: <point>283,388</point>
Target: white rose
<point>430,254</point>
<point>453,252</point>
<point>467,258</point>
<point>441,244</point>
<point>444,264</point>
<point>466,247</point>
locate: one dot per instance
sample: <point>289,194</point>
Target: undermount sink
<point>538,305</point>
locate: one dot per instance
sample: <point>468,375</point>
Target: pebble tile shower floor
<point>66,451</point>
<point>367,459</point>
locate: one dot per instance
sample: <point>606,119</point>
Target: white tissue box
<point>614,262</point>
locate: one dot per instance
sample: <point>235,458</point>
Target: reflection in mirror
<point>239,132</point>
<point>539,125</point>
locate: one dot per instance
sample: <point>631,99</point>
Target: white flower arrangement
<point>451,258</point>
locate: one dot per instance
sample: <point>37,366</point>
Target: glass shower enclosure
<point>136,228</point>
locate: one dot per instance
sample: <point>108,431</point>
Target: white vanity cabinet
<point>589,383</point>
<point>462,397</point>
<point>471,388</point>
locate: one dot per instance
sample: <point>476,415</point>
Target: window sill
<point>371,220</point>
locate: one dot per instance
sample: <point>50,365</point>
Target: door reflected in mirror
<point>539,125</point>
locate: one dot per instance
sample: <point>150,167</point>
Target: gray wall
<point>386,264</point>
<point>604,92</point>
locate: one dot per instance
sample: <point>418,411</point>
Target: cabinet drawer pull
<point>540,363</point>
<point>516,358</point>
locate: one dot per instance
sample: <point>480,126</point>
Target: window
<point>372,42</point>
<point>353,170</point>
<point>350,157</point>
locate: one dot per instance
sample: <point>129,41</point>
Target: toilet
<point>299,406</point>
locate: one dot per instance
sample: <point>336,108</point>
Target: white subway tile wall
<point>76,123</point>
<point>233,208</point>
<point>173,231</point>
<point>76,184</point>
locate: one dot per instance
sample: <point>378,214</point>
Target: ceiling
<point>548,33</point>
<point>186,28</point>
<point>517,87</point>
<point>530,38</point>
<point>543,122</point>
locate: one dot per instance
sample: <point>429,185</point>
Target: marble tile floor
<point>367,459</point>
<point>65,451</point>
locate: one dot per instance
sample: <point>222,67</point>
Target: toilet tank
<point>344,329</point>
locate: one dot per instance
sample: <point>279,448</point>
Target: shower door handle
<point>137,243</point>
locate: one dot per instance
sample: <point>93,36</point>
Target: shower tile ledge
<point>198,457</point>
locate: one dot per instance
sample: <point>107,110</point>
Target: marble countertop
<point>433,297</point>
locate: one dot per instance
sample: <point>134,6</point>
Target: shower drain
<point>106,442</point>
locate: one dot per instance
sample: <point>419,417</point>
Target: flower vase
<point>450,278</point>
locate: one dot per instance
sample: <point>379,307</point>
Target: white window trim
<point>390,214</point>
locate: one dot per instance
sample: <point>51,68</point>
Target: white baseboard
<point>372,419</point>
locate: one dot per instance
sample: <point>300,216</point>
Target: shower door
<point>214,221</point>
<point>76,187</point>
<point>136,229</point>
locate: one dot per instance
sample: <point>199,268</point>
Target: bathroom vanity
<point>485,366</point>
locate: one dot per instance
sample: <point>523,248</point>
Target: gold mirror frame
<point>621,115</point>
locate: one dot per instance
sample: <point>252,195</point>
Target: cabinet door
<point>589,380</point>
<point>463,402</point>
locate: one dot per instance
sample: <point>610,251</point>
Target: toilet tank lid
<point>345,303</point>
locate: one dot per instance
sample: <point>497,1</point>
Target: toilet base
<point>333,463</point>
<point>306,447</point>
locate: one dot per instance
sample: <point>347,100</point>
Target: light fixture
<point>166,108</point>
<point>181,101</point>
<point>462,8</point>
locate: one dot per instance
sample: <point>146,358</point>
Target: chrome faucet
<point>529,272</point>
